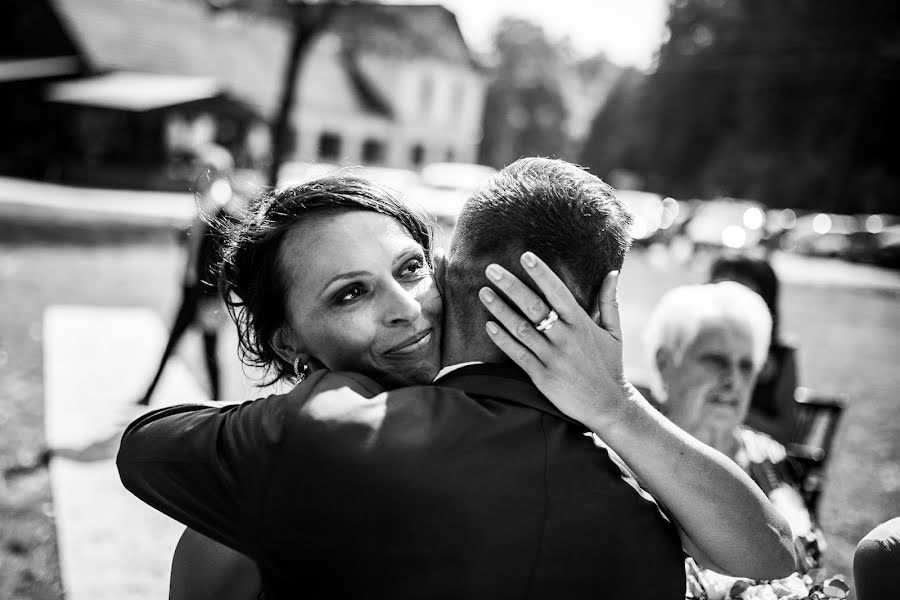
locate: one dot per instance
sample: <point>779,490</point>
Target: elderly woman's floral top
<point>764,460</point>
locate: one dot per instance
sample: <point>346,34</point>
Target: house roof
<point>135,92</point>
<point>18,69</point>
<point>405,30</point>
<point>180,38</point>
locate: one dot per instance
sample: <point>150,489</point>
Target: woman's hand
<point>574,362</point>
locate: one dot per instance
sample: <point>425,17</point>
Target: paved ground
<point>95,360</point>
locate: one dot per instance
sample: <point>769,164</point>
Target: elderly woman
<point>772,400</point>
<point>706,345</point>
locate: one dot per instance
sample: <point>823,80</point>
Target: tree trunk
<point>309,20</point>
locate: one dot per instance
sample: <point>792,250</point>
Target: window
<point>329,146</point>
<point>417,155</point>
<point>373,151</point>
<point>426,94</point>
<point>459,99</point>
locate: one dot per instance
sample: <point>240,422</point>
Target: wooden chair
<point>817,419</point>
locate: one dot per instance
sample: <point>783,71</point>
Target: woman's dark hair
<point>251,279</point>
<point>756,271</point>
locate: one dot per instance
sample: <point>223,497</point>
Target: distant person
<point>772,409</point>
<point>706,344</point>
<point>876,563</point>
<point>201,304</point>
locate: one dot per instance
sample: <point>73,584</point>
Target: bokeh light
<point>874,224</point>
<point>787,218</point>
<point>734,236</point>
<point>821,223</point>
<point>754,218</point>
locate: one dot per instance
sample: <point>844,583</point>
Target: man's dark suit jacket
<point>477,487</point>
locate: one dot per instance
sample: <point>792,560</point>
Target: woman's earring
<point>299,373</point>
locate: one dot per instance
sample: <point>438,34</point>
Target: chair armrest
<point>809,397</point>
<point>805,454</point>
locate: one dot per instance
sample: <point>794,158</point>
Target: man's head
<point>565,215</point>
<point>706,344</point>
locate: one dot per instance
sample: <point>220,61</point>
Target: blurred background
<point>757,126</point>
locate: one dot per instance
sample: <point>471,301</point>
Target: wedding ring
<point>548,322</point>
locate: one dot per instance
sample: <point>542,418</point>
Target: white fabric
<point>450,368</point>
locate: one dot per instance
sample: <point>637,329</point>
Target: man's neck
<point>463,343</point>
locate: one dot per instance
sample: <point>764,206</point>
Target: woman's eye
<point>414,267</point>
<point>715,361</point>
<point>350,293</point>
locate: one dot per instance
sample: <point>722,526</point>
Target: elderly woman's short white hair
<point>683,312</point>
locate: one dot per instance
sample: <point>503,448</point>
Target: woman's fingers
<point>531,305</point>
<point>521,329</point>
<point>609,305</point>
<point>518,353</point>
<point>553,288</point>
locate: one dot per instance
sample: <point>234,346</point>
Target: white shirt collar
<point>450,368</point>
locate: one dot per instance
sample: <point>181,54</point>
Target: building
<point>394,86</point>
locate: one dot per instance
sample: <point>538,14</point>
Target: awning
<point>135,92</point>
<point>19,69</point>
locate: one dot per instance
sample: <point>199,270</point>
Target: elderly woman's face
<point>709,390</point>
<point>361,297</point>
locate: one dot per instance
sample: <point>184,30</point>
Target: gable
<point>245,55</point>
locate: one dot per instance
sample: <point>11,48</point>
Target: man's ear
<point>596,308</point>
<point>286,346</point>
<point>664,360</point>
<point>439,258</point>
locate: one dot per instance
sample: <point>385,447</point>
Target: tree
<point>790,103</point>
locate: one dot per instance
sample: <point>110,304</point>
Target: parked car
<point>444,187</point>
<point>824,234</point>
<point>293,172</point>
<point>655,219</point>
<point>456,176</point>
<point>883,250</point>
<point>726,222</point>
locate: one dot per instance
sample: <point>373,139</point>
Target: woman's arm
<point>206,570</point>
<point>727,522</point>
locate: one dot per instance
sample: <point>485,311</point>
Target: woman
<point>318,280</point>
<point>706,345</point>
<point>772,404</point>
<point>332,274</point>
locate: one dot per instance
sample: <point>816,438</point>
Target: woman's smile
<point>418,343</point>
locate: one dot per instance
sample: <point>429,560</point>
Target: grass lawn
<point>849,341</point>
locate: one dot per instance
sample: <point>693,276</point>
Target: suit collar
<point>503,382</point>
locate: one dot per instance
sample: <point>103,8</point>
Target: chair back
<point>817,416</point>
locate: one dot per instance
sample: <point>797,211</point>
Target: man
<point>476,487</point>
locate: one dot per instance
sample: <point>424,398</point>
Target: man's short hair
<point>683,312</point>
<point>559,211</point>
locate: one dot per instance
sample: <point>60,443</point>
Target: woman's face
<point>361,297</point>
<point>708,391</point>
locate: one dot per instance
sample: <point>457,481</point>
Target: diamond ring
<point>548,322</point>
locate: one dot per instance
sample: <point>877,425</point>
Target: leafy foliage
<point>792,103</point>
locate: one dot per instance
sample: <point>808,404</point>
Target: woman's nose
<point>731,376</point>
<point>402,305</point>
